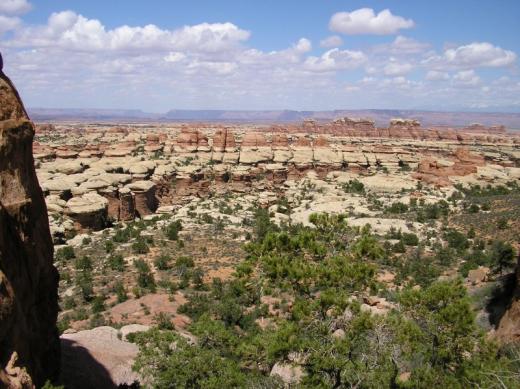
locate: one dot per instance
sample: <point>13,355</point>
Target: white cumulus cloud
<point>394,68</point>
<point>335,59</point>
<point>303,45</point>
<point>14,7</point>
<point>72,31</point>
<point>405,45</point>
<point>466,78</point>
<point>480,54</point>
<point>331,41</point>
<point>476,54</point>
<point>365,21</point>
<point>8,23</point>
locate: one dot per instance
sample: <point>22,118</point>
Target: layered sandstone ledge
<point>135,170</point>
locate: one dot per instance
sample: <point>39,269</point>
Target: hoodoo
<point>29,343</point>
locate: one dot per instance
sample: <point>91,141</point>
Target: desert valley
<point>257,249</point>
<point>145,218</point>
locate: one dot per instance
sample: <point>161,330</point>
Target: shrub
<point>172,230</point>
<point>502,224</point>
<point>109,246</point>
<point>262,224</point>
<point>502,256</point>
<point>140,246</point>
<point>456,240</point>
<point>399,247</point>
<point>163,321</point>
<point>473,208</point>
<point>119,288</point>
<point>84,282</point>
<point>162,262</point>
<point>83,263</point>
<point>116,262</point>
<point>207,218</point>
<point>446,256</point>
<point>197,277</point>
<point>65,254</point>
<point>98,304</point>
<point>145,278</point>
<point>393,233</point>
<point>122,235</point>
<point>397,207</point>
<point>354,186</point>
<point>410,239</point>
<point>184,262</point>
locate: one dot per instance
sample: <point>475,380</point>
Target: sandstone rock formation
<point>145,200</point>
<point>479,128</point>
<point>89,211</point>
<point>254,149</point>
<point>432,172</point>
<point>362,124</point>
<point>224,140</point>
<point>188,140</point>
<point>29,344</point>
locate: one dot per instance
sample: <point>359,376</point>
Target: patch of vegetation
<point>354,186</point>
<point>304,279</point>
<point>145,278</point>
<point>172,230</point>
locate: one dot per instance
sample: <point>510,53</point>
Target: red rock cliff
<point>29,344</point>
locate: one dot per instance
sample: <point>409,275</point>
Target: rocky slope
<point>29,345</point>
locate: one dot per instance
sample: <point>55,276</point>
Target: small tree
<point>172,230</point>
<point>145,277</point>
<point>116,262</point>
<point>119,288</point>
<point>65,254</point>
<point>502,256</point>
<point>162,262</point>
<point>140,246</point>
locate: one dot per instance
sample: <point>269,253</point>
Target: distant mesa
<point>379,117</point>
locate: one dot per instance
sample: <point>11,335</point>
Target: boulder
<point>479,275</point>
<point>290,374</point>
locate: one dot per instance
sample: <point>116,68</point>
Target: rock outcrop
<point>464,163</point>
<point>145,200</point>
<point>509,326</point>
<point>29,344</point>
<point>89,211</point>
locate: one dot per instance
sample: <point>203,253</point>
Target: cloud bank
<point>75,61</point>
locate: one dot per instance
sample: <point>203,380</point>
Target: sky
<point>157,55</point>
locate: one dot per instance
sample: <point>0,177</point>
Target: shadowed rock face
<point>29,344</point>
<point>509,326</point>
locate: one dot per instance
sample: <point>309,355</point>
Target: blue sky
<point>157,55</point>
